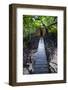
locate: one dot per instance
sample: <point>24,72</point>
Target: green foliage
<point>32,23</point>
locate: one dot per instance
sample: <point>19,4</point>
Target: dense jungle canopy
<point>32,23</point>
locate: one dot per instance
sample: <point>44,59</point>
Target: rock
<point>25,71</point>
<point>53,62</point>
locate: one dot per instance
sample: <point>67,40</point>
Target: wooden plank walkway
<point>41,63</point>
